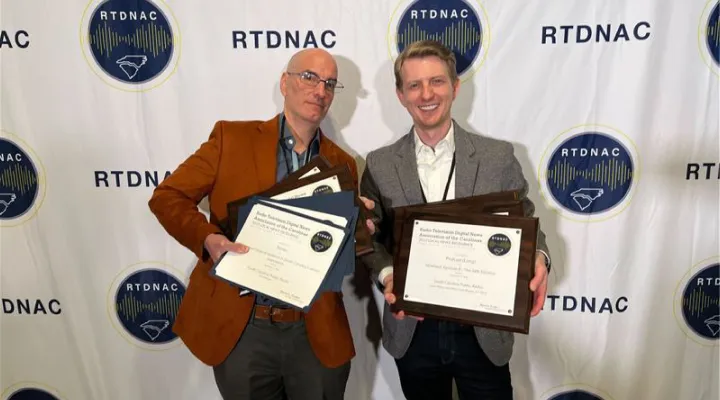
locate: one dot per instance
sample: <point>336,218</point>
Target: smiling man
<point>258,349</point>
<point>439,160</point>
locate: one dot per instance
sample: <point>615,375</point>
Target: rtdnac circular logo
<point>709,35</point>
<point>574,392</point>
<point>132,44</point>
<point>29,391</point>
<point>589,173</point>
<point>697,302</point>
<point>461,25</point>
<point>144,302</point>
<point>322,189</point>
<point>499,244</point>
<point>31,394</point>
<point>22,182</point>
<point>321,241</point>
<point>575,395</point>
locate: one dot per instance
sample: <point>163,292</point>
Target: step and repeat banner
<point>612,107</point>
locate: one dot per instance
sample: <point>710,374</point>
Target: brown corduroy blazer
<point>238,160</point>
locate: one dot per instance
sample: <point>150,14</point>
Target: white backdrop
<point>89,276</point>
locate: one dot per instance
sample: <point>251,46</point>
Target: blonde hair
<point>425,48</point>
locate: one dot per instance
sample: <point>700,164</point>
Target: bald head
<point>302,59</point>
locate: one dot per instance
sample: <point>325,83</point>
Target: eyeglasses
<point>312,79</point>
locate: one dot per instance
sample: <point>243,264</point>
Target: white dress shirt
<point>434,167</point>
<point>434,170</point>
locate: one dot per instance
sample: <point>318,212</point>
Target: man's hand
<point>217,245</point>
<point>369,204</point>
<point>390,297</point>
<point>538,285</point>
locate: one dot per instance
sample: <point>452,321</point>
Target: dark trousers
<point>441,351</point>
<point>274,360</point>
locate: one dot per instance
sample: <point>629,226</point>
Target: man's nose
<point>427,92</point>
<point>320,90</point>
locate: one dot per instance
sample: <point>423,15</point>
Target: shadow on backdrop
<point>520,362</point>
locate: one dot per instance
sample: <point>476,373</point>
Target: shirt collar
<point>314,145</point>
<point>446,144</point>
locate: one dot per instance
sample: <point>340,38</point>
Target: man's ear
<point>456,88</point>
<point>283,83</point>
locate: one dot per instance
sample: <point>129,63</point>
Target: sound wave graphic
<point>150,38</point>
<point>130,307</point>
<point>459,36</point>
<point>612,173</point>
<point>18,177</point>
<point>713,33</point>
<point>698,301</point>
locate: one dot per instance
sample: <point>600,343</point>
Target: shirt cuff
<point>547,259</point>
<point>384,273</point>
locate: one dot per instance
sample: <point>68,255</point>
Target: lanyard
<point>295,160</point>
<point>447,185</point>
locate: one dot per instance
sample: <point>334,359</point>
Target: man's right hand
<point>390,297</point>
<point>217,245</point>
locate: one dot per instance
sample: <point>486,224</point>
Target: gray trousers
<point>274,361</point>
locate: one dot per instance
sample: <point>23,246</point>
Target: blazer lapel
<point>265,149</point>
<point>467,163</point>
<point>406,167</point>
<point>327,150</point>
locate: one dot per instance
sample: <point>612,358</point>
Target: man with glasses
<point>258,349</point>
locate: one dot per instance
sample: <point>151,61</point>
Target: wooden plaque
<point>318,162</point>
<point>480,203</point>
<point>519,320</point>
<point>322,164</point>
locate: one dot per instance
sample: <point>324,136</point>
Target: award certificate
<point>289,257</point>
<point>472,267</point>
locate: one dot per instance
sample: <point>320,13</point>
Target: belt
<point>275,314</point>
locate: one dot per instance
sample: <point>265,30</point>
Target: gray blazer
<point>390,179</point>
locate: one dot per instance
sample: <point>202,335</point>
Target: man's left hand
<point>538,285</point>
<point>369,204</point>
